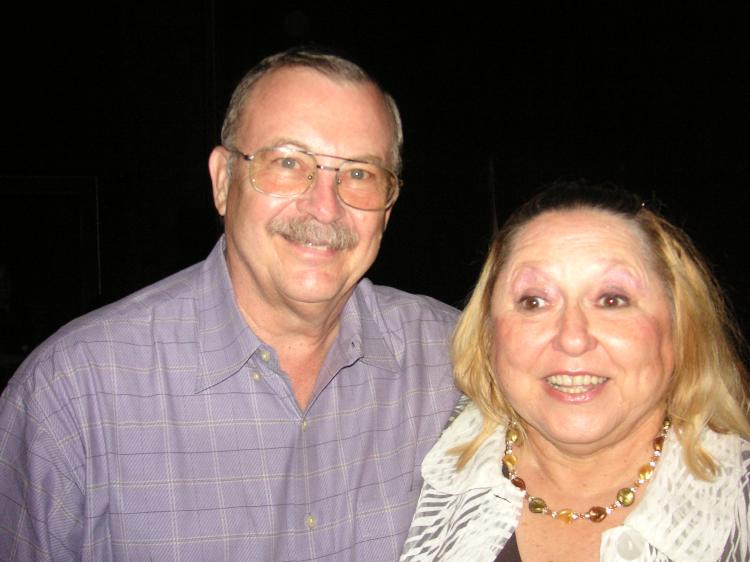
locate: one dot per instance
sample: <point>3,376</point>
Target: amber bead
<point>597,514</point>
<point>537,505</point>
<point>518,483</point>
<point>565,515</point>
<point>625,497</point>
<point>646,472</point>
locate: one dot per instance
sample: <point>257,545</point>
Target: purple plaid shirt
<point>161,428</point>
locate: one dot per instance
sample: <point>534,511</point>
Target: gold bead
<point>511,435</point>
<point>505,471</point>
<point>659,443</point>
<point>510,461</point>
<point>625,496</point>
<point>597,514</point>
<point>537,505</point>
<point>646,472</point>
<point>565,515</point>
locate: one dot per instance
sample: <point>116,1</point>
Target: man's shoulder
<point>135,319</point>
<point>162,297</point>
<point>396,304</point>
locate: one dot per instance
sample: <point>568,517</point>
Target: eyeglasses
<point>283,171</point>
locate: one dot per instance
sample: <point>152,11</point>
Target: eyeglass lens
<point>286,173</point>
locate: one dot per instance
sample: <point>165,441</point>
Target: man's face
<point>302,108</point>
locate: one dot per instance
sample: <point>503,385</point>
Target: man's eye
<point>289,163</point>
<point>532,303</point>
<point>359,174</point>
<point>613,301</point>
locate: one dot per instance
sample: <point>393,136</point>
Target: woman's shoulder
<point>483,470</point>
<point>732,456</point>
<point>745,473</point>
<point>465,514</point>
<point>707,511</point>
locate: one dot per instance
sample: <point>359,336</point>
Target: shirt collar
<point>360,338</point>
<point>363,327</point>
<point>483,470</point>
<point>227,342</point>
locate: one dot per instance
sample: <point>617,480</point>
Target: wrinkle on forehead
<point>615,272</point>
<point>616,244</point>
<point>305,147</point>
<point>366,105</point>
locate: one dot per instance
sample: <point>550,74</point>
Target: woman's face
<point>583,338</point>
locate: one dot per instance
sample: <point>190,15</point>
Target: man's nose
<point>321,201</point>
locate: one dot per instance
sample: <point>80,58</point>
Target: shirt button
<point>310,521</point>
<point>256,376</point>
<point>303,425</point>
<point>265,355</point>
<point>630,545</point>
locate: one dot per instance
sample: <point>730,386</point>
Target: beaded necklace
<point>596,514</point>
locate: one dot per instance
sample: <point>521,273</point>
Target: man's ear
<point>217,167</point>
<point>387,215</point>
<point>386,218</point>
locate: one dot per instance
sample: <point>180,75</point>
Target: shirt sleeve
<point>41,501</point>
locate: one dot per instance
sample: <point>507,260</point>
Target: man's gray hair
<point>332,66</point>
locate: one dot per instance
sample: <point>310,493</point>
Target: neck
<point>313,326</point>
<point>565,472</point>
<point>300,333</point>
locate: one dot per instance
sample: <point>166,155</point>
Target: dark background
<point>109,115</point>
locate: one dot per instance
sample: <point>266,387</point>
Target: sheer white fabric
<point>470,515</point>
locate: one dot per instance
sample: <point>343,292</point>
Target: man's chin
<point>316,286</point>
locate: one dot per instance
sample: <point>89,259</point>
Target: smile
<point>574,384</point>
<point>311,244</point>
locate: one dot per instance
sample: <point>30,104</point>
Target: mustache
<point>308,231</point>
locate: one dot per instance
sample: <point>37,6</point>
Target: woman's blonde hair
<point>707,388</point>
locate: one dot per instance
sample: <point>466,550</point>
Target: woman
<point>608,418</point>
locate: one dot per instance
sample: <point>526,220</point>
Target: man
<point>266,404</point>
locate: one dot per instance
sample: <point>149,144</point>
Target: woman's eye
<point>613,301</point>
<point>532,303</point>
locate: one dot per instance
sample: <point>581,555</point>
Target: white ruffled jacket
<point>471,514</point>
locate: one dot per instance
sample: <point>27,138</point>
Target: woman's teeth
<point>574,384</point>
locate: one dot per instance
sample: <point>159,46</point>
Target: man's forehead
<point>296,81</point>
<point>302,103</point>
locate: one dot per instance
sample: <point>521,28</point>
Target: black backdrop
<point>109,115</point>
